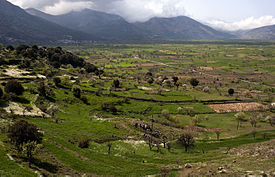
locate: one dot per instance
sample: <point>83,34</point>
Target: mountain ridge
<point>17,26</point>
<point>262,33</point>
<point>104,25</point>
<point>33,26</point>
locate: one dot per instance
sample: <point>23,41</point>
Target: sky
<point>229,15</point>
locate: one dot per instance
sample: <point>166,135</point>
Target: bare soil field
<point>237,107</point>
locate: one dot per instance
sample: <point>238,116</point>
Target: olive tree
<point>30,148</point>
<point>22,132</point>
<point>187,140</point>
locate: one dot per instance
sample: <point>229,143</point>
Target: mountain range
<point>17,26</point>
<point>33,26</point>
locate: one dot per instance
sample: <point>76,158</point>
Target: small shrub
<point>165,113</point>
<point>105,106</point>
<point>116,83</point>
<point>194,82</point>
<point>42,89</point>
<point>84,143</point>
<point>206,89</point>
<point>113,109</point>
<point>150,80</point>
<point>175,79</point>
<point>180,109</point>
<point>85,100</point>
<point>56,81</point>
<point>77,92</point>
<point>196,120</point>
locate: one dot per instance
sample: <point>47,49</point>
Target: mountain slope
<point>263,33</point>
<point>18,26</point>
<point>181,28</point>
<point>108,26</point>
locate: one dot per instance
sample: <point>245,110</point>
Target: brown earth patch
<point>150,64</point>
<point>237,107</point>
<point>207,68</point>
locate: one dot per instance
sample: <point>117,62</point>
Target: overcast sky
<point>223,14</point>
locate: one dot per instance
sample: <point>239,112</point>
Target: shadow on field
<point>45,165</point>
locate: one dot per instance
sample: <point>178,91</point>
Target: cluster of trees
<point>55,56</point>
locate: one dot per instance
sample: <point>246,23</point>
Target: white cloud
<point>63,7</point>
<point>131,10</point>
<point>142,10</point>
<point>246,24</point>
<point>34,3</point>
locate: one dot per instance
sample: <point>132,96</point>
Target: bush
<point>85,100</point>
<point>14,87</point>
<point>56,81</point>
<point>231,91</point>
<point>77,92</point>
<point>10,48</point>
<point>22,132</point>
<point>90,68</point>
<point>165,113</point>
<point>150,80</point>
<point>25,64</point>
<point>194,82</point>
<point>84,143</point>
<point>113,109</point>
<point>105,106</point>
<point>175,79</point>
<point>21,48</point>
<point>42,89</point>
<point>116,83</point>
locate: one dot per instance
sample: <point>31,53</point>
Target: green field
<point>169,108</point>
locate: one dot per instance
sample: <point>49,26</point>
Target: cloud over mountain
<point>246,24</point>
<point>131,10</point>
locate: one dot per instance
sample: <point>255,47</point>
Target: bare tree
<point>164,140</point>
<point>218,133</point>
<point>253,122</point>
<point>169,146</point>
<point>254,132</point>
<point>264,135</point>
<point>109,147</point>
<point>239,117</point>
